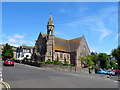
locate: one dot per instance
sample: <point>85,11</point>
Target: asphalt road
<point>25,76</point>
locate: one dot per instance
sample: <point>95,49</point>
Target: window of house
<point>27,55</point>
<point>68,56</point>
<point>61,55</point>
<point>84,47</point>
<point>49,53</point>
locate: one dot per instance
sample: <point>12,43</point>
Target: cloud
<point>94,49</point>
<point>118,35</point>
<point>97,23</point>
<point>11,40</point>
<point>16,45</point>
<point>17,36</point>
<point>15,39</point>
<point>104,34</point>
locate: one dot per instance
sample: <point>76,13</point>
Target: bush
<point>48,61</point>
<point>13,59</point>
<point>57,62</point>
<point>70,65</point>
<point>66,64</point>
<point>40,62</point>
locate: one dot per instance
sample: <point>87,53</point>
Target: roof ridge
<point>75,38</point>
<point>63,38</point>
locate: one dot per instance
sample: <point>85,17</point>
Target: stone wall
<point>67,68</point>
<point>65,56</point>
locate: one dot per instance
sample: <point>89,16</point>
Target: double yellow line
<point>7,86</point>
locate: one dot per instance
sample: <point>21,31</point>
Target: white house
<point>24,52</point>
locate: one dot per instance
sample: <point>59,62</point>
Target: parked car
<point>8,63</point>
<point>117,72</point>
<point>101,71</point>
<point>111,72</point>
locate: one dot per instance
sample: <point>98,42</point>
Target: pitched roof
<point>74,44</point>
<point>61,44</point>
<point>24,46</point>
<point>65,45</point>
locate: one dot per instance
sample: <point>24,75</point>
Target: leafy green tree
<point>103,58</point>
<point>94,58</point>
<point>112,63</point>
<point>87,60</point>
<point>116,54</point>
<point>7,52</point>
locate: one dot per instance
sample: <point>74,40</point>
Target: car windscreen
<point>10,60</point>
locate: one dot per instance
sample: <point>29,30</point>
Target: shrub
<point>70,65</point>
<point>57,62</point>
<point>48,61</point>
<point>13,59</point>
<point>41,62</point>
<point>66,64</point>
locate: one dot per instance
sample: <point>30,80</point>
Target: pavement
<point>1,85</point>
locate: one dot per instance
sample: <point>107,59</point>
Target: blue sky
<point>97,21</point>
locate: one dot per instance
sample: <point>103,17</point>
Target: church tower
<point>50,26</point>
<point>50,40</point>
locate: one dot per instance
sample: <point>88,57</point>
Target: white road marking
<point>116,81</point>
<point>1,79</point>
<point>0,75</point>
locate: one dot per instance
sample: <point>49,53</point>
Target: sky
<point>97,21</point>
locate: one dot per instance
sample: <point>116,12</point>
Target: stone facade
<point>48,46</point>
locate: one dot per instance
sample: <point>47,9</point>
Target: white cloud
<point>96,23</point>
<point>31,43</point>
<point>94,49</point>
<point>104,34</point>
<point>118,35</point>
<point>17,36</point>
<point>16,45</point>
<point>11,40</point>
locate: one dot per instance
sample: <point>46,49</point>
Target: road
<point>25,76</point>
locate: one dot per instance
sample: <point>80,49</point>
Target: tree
<point>7,52</point>
<point>103,58</point>
<point>87,60</point>
<point>112,63</point>
<point>116,54</point>
<point>94,58</point>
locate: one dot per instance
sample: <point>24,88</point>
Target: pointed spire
<point>50,21</point>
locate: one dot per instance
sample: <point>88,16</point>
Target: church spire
<point>50,21</point>
<point>50,26</point>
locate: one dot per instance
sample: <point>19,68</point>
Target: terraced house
<point>48,46</point>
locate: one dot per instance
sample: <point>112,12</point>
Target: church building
<point>48,46</point>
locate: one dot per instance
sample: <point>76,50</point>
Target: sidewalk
<point>1,85</point>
